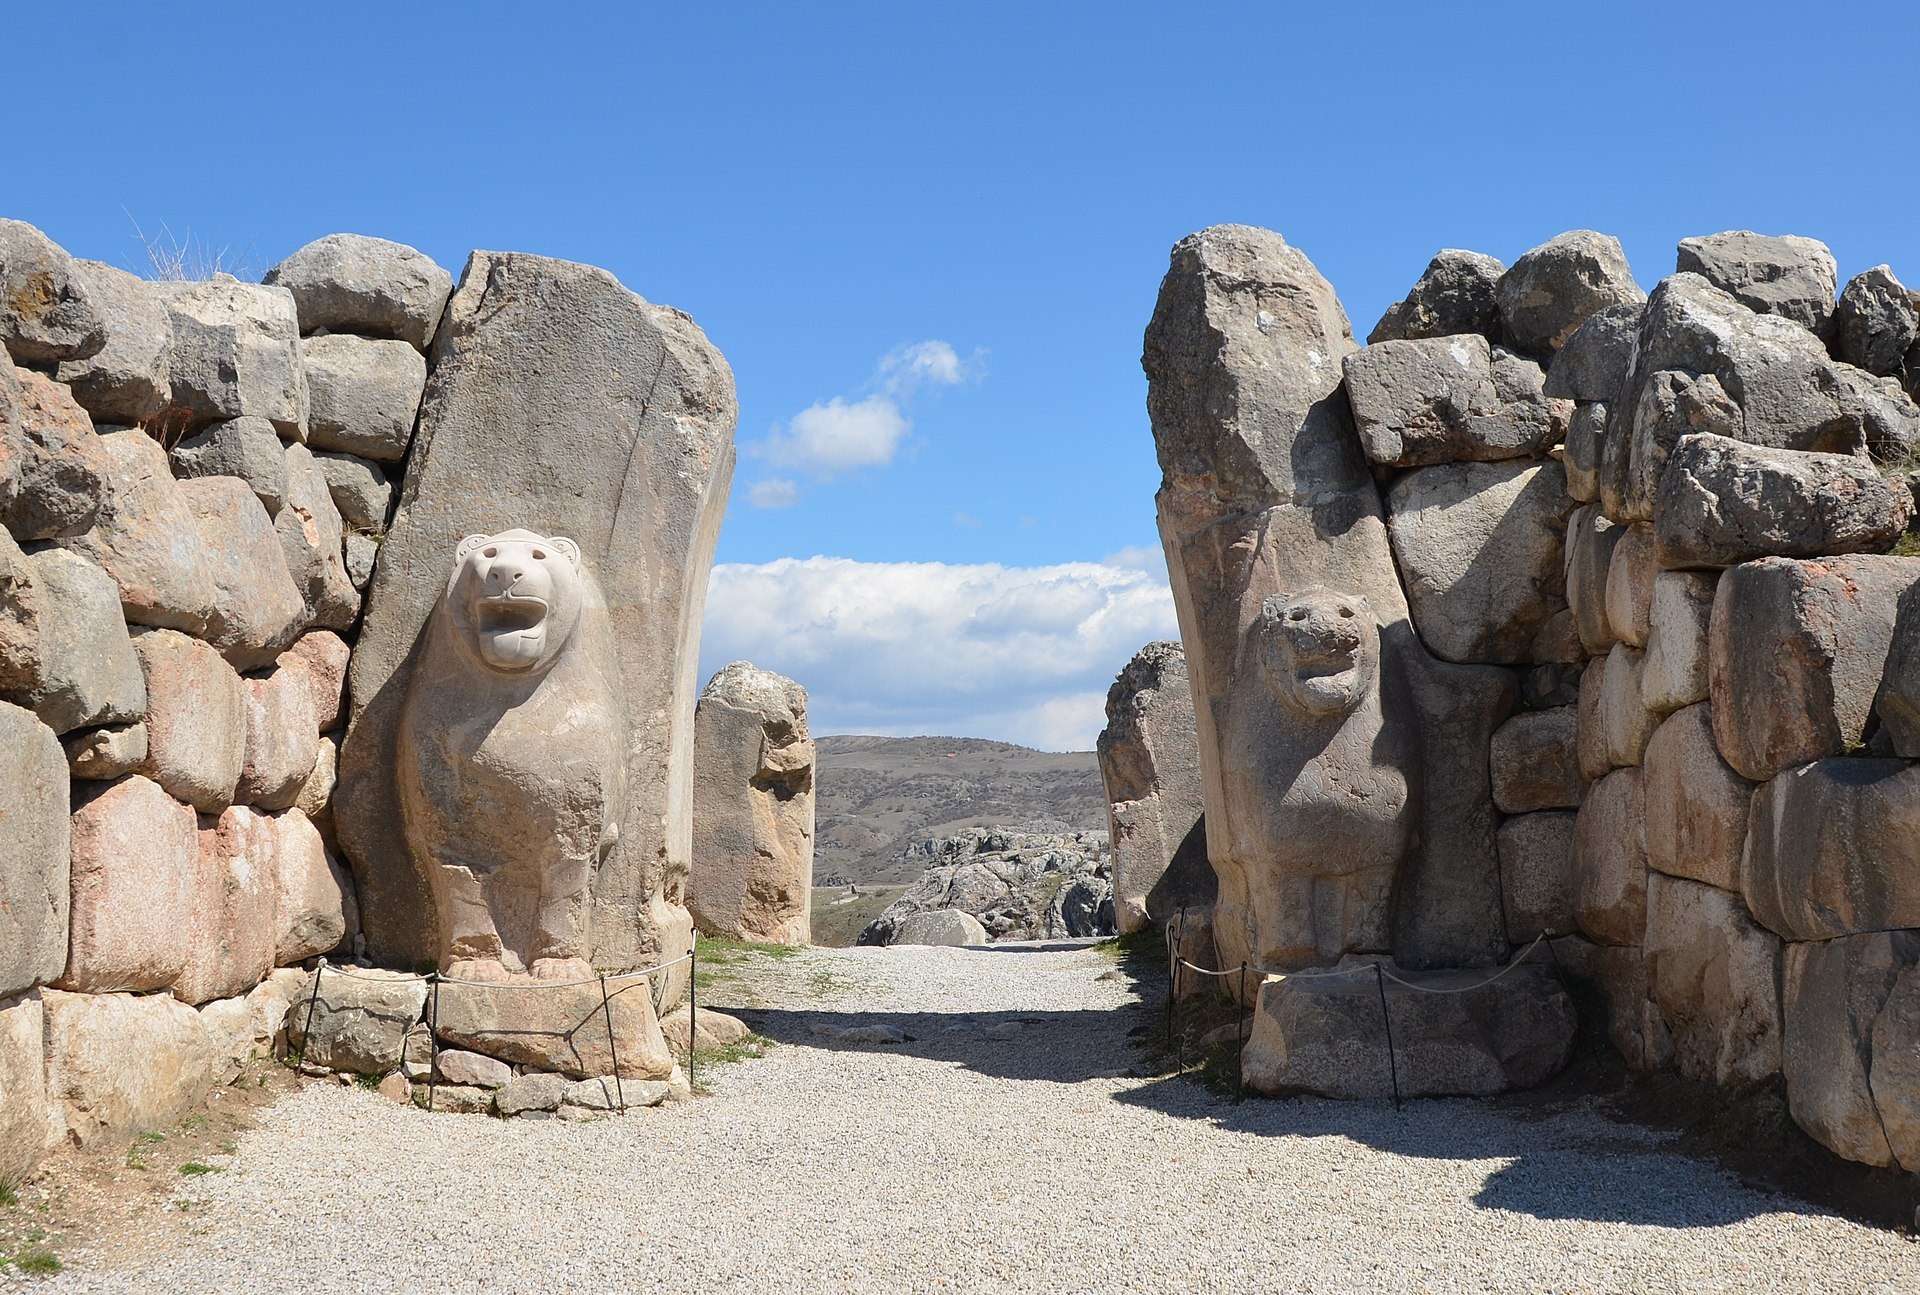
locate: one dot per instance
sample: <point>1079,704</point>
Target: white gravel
<point>1000,1147</point>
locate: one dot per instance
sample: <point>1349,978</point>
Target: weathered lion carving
<point>1321,778</point>
<point>512,764</point>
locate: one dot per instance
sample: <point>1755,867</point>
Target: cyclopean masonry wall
<point>195,482</point>
<point>1703,791</point>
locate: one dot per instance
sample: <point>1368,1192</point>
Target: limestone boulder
<point>103,754</point>
<point>1447,399</point>
<point>121,1064</point>
<point>1536,874</point>
<point>360,490</point>
<point>53,467</point>
<point>1716,978</point>
<point>236,351</point>
<point>1327,1037</point>
<point>1786,275</point>
<point>349,283</point>
<point>1680,613</point>
<point>1456,294</point>
<point>1586,438</point>
<point>1625,721</point>
<point>1535,761</point>
<point>1833,848</point>
<point>1876,322</point>
<point>1553,289</point>
<point>457,1066</point>
<point>196,719</point>
<point>1796,653</point>
<point>544,374</point>
<point>257,609</point>
<point>357,1020</point>
<point>21,600</point>
<point>1594,363</point>
<point>25,1130</point>
<point>229,936</point>
<point>1481,547</point>
<point>282,738</point>
<point>558,1027</point>
<point>1150,768</point>
<point>534,1091</point>
<point>1630,576</point>
<point>146,538</point>
<point>1895,1074</point>
<point>951,927</point>
<point>85,671</point>
<point>136,887</point>
<point>753,764</point>
<point>315,800</point>
<point>1610,860</point>
<point>36,844</point>
<point>713,1030</point>
<point>1723,502</point>
<point>1697,806</point>
<point>1898,704</point>
<point>324,656</point>
<point>49,311</point>
<point>1833,993</point>
<point>362,551</point>
<point>313,907</point>
<point>366,393</point>
<point>247,448</point>
<point>1590,746</point>
<point>1614,983</point>
<point>1590,541</point>
<point>127,381</point>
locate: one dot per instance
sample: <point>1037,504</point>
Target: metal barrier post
<point>693,1005</point>
<point>1393,1067</point>
<point>433,1042</point>
<point>1240,1058</point>
<point>613,1048</point>
<point>306,1034</point>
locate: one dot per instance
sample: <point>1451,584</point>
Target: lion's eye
<point>1297,614</point>
<point>1346,611</point>
<point>490,553</point>
<point>539,555</point>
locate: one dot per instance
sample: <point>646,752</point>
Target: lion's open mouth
<point>506,614</point>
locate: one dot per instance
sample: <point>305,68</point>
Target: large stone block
<point>1591,540</point>
<point>1630,576</point>
<point>1535,761</point>
<point>1481,547</point>
<point>1624,717</point>
<point>1536,874</point>
<point>1723,502</point>
<point>121,1064</point>
<point>146,538</point>
<point>35,853</point>
<point>1590,745</point>
<point>1580,453</point>
<point>1895,1075</point>
<point>1796,652</point>
<point>236,351</point>
<point>1786,275</point>
<point>314,907</point>
<point>1327,1036</point>
<point>1447,399</point>
<point>1697,806</point>
<point>545,373</point>
<point>365,394</point>
<point>1833,993</point>
<point>1875,324</point>
<point>1610,860</point>
<point>1833,848</point>
<point>21,600</point>
<point>1716,979</point>
<point>1454,295</point>
<point>48,309</point>
<point>103,754</point>
<point>360,490</point>
<point>1898,703</point>
<point>753,768</point>
<point>230,934</point>
<point>136,884</point>
<point>349,283</point>
<point>311,538</point>
<point>25,1122</point>
<point>53,467</point>
<point>1594,363</point>
<point>1553,289</point>
<point>357,1019</point>
<point>247,448</point>
<point>257,609</point>
<point>283,741</point>
<point>84,668</point>
<point>127,381</point>
<point>559,1027</point>
<point>1674,673</point>
<point>325,656</point>
<point>1150,767</point>
<point>196,719</point>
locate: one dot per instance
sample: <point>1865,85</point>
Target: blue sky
<point>928,236</point>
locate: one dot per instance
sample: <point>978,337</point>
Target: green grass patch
<point>718,958</point>
<point>9,1193</point>
<point>198,1168</point>
<point>368,1081</point>
<point>34,1261</point>
<point>751,1048</point>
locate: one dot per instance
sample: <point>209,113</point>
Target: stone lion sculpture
<point>512,759</point>
<point>1321,776</point>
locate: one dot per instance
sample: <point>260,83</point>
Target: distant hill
<point>875,796</point>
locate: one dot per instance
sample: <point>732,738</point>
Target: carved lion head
<point>1320,649</point>
<point>515,598</point>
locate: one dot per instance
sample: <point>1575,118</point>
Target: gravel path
<point>1001,1147</point>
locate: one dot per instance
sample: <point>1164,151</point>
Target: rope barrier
<point>442,978</point>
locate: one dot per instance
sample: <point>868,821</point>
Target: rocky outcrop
<point>1150,766</point>
<point>753,766</point>
<point>1017,885</point>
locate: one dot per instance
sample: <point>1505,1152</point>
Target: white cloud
<point>1150,558</point>
<point>773,492</point>
<point>833,436</point>
<point>1021,654</point>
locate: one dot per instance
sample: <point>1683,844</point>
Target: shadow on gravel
<point>1060,1047</point>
